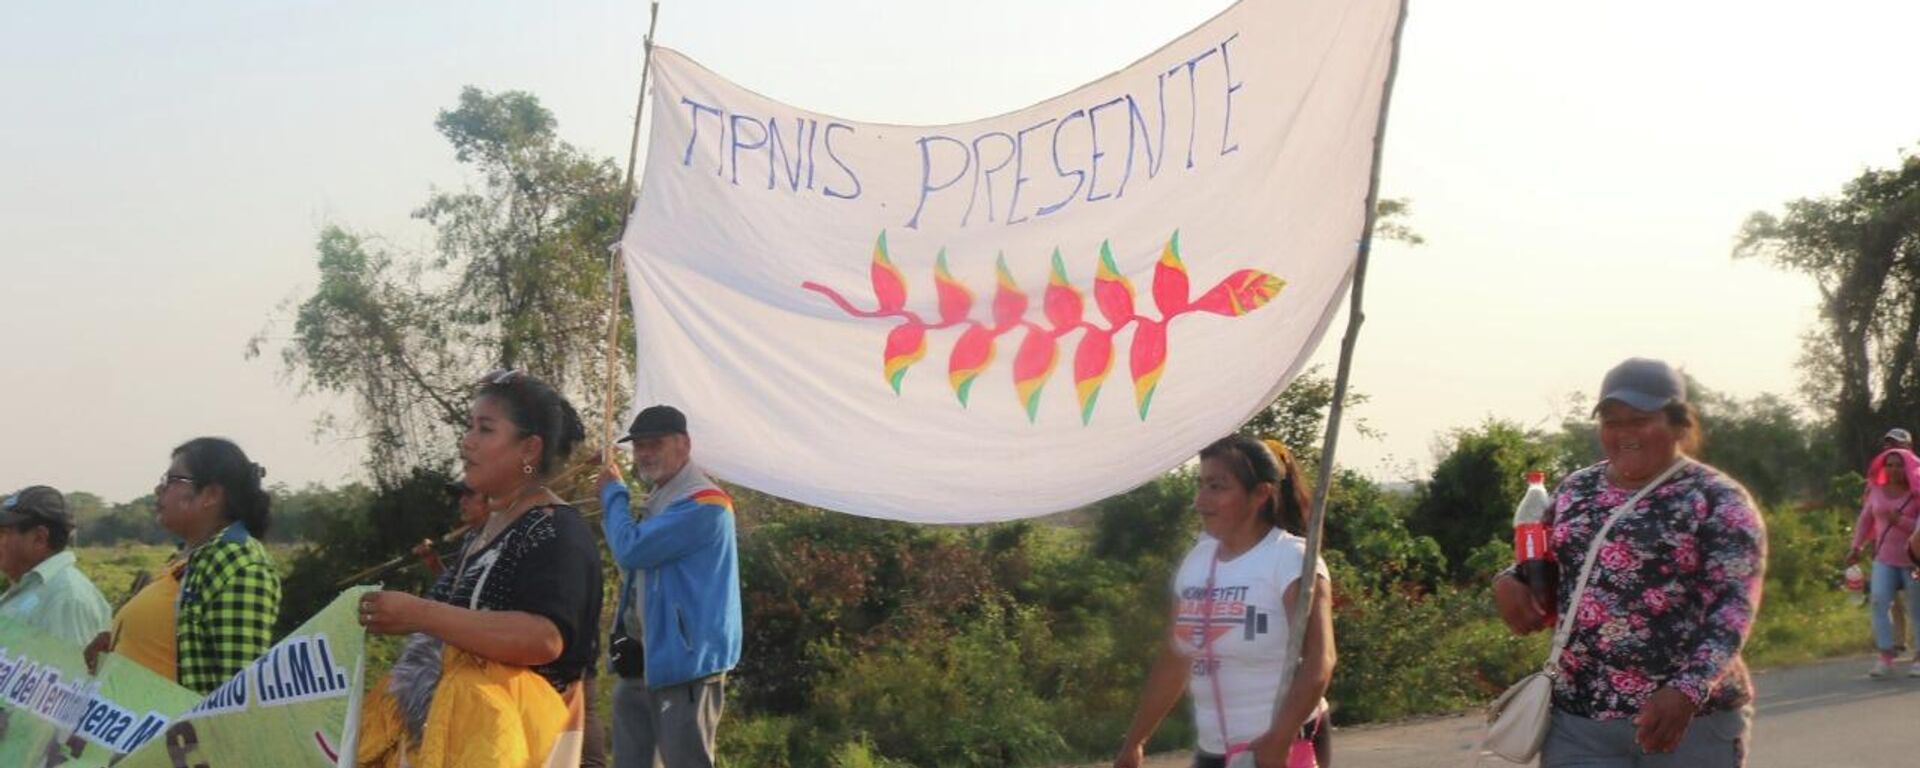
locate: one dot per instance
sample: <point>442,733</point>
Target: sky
<point>1579,172</point>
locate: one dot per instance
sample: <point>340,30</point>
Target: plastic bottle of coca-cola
<point>1532,557</point>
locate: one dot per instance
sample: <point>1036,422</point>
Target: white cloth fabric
<point>1014,316</point>
<point>1248,630</point>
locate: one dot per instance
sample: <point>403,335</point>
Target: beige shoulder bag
<point>1517,722</point>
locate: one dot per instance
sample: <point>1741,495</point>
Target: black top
<point>546,563</point>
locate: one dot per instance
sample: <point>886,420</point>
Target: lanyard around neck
<point>1211,661</point>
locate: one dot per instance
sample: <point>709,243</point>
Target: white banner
<point>1014,316</point>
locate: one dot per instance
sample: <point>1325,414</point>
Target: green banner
<point>44,690</point>
<point>291,707</point>
<point>296,705</point>
<point>131,706</point>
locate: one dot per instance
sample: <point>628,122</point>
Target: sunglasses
<point>171,478</point>
<point>502,376</point>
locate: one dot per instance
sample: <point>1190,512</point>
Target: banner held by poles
<point>1013,316</point>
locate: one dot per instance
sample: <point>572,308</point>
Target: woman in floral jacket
<point>1651,674</point>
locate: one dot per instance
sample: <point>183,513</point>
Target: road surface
<point>1823,715</point>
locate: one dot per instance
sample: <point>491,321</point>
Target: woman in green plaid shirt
<point>229,598</point>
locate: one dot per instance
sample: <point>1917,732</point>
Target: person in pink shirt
<point>1888,518</point>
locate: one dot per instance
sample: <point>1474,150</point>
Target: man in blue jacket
<point>677,632</point>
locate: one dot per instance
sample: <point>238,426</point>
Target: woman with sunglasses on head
<point>519,601</point>
<point>210,610</point>
<point>1232,596</point>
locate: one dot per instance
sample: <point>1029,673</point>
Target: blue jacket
<point>691,568</point>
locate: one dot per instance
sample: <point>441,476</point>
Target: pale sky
<point>1579,171</point>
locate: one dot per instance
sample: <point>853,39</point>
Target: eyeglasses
<point>171,478</point>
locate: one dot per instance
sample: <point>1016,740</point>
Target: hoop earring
<point>526,469</point>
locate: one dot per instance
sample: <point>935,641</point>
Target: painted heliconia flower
<point>1062,301</point>
<point>1063,314</point>
<point>1148,359</point>
<point>1170,280</point>
<point>1009,302</point>
<point>888,287</point>
<point>970,357</point>
<point>956,300</point>
<point>906,344</point>
<point>1241,292</point>
<point>1031,367</point>
<point>1092,361</point>
<point>1111,290</point>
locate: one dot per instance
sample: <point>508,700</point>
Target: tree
<point>1367,526</point>
<point>1862,249</point>
<point>1298,416</point>
<point>1764,442</point>
<point>1470,498</point>
<point>352,529</point>
<point>517,279</point>
<point>1390,221</point>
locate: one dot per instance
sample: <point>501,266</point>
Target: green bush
<point>932,698</point>
<point>756,741</point>
<point>1405,653</point>
<point>1804,615</point>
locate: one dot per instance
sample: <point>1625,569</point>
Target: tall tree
<point>1862,249</point>
<point>517,279</point>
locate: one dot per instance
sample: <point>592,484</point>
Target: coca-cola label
<point>1530,543</point>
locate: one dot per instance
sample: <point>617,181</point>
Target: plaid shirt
<point>229,600</point>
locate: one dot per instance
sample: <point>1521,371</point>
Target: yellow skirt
<point>483,713</point>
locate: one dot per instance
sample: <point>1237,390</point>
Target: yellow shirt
<point>143,630</point>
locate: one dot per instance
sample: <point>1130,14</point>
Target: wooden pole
<point>1303,603</point>
<point>615,264</point>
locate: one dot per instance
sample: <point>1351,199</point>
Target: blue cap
<point>1643,384</point>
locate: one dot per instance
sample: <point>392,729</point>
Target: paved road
<point>1825,715</point>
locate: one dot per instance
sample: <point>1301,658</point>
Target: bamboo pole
<point>1303,603</point>
<point>615,264</point>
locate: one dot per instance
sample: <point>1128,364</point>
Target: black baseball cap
<point>35,504</point>
<point>1647,385</point>
<point>654,421</point>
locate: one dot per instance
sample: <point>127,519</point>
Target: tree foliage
<point>517,278</point>
<point>1862,249</point>
<point>1470,499</point>
<point>1777,451</point>
<point>1298,416</point>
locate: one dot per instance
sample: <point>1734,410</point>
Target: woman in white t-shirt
<point>1229,638</point>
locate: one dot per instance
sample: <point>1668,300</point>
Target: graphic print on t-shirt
<point>1232,614</point>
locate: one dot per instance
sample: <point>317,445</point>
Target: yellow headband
<point>1280,451</point>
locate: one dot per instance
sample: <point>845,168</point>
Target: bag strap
<point>1565,629</point>
<point>1897,514</point>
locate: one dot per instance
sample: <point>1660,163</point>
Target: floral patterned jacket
<point>1672,596</point>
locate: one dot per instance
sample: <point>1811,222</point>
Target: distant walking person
<point>1228,644</point>
<point>678,629</point>
<point>1651,674</point>
<point>1889,517</point>
<point>1897,610</point>
<point>48,591</point>
<point>1897,438</point>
